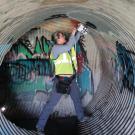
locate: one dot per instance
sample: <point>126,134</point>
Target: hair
<point>56,36</point>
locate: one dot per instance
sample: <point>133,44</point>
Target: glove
<point>81,28</point>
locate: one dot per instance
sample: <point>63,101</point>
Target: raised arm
<point>77,36</point>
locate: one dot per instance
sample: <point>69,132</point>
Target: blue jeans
<point>55,97</point>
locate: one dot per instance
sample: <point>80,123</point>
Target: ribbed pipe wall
<point>112,112</point>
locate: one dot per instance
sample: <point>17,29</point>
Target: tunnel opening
<point>113,112</point>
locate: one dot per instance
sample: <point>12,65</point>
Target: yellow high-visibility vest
<point>64,64</point>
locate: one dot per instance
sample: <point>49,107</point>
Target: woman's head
<point>59,38</point>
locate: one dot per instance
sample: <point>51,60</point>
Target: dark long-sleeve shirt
<point>58,49</point>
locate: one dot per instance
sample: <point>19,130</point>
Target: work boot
<point>40,132</point>
<point>85,119</point>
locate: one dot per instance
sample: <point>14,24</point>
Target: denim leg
<point>47,110</point>
<point>75,95</point>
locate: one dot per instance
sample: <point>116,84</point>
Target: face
<point>61,40</point>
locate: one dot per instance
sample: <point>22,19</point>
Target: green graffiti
<point>37,83</point>
<point>41,49</point>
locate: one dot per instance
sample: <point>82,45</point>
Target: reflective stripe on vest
<point>64,60</point>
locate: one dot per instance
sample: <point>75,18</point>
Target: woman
<point>63,55</point>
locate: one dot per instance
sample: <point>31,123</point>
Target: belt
<point>65,77</point>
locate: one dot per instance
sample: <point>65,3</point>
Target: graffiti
<point>56,16</point>
<point>91,25</point>
<point>22,70</point>
<point>83,51</point>
<point>24,61</point>
<point>125,66</point>
<point>23,49</point>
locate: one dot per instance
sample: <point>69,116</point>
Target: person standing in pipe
<point>63,55</point>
